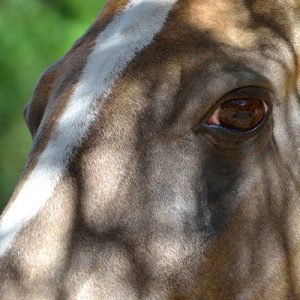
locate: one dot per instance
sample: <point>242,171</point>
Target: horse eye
<point>239,114</point>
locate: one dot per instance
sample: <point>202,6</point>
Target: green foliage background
<point>33,34</point>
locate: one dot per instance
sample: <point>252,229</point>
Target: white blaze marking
<point>127,34</point>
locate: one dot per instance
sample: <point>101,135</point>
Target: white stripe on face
<point>115,47</point>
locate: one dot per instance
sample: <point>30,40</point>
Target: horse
<point>165,159</point>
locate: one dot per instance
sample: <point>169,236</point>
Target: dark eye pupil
<point>241,114</point>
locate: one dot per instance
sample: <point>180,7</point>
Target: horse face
<point>186,180</point>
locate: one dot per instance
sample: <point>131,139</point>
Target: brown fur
<point>128,221</point>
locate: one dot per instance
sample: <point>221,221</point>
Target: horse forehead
<point>240,23</point>
<point>237,23</point>
<point>220,13</point>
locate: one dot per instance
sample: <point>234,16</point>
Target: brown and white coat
<point>122,198</point>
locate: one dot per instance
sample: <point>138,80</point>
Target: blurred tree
<point>33,34</point>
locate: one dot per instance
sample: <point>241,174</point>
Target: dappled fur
<point>151,209</point>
